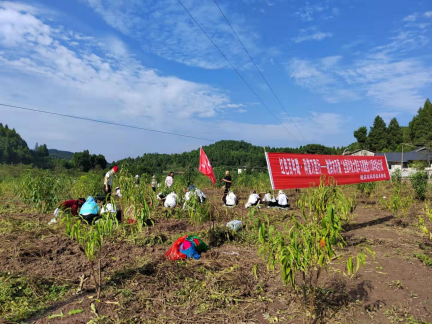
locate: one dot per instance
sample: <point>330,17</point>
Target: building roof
<point>423,155</point>
<point>358,150</point>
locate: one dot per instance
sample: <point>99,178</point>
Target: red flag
<point>205,167</point>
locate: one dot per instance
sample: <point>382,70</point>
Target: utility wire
<point>240,76</point>
<point>259,70</point>
<point>105,122</point>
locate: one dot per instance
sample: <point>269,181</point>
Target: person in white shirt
<point>111,208</point>
<point>108,180</point>
<point>169,180</point>
<point>268,199</point>
<point>254,199</point>
<point>230,199</point>
<point>170,200</point>
<point>282,200</point>
<point>192,191</point>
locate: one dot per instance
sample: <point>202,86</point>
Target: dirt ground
<point>139,286</point>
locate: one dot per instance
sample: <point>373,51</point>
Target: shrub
<point>396,176</point>
<point>42,190</point>
<point>419,181</point>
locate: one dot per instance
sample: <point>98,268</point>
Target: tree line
<point>14,150</point>
<point>225,154</point>
<point>383,138</point>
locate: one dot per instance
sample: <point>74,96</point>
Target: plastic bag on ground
<point>200,246</point>
<point>174,253</point>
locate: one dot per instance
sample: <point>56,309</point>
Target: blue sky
<point>334,65</point>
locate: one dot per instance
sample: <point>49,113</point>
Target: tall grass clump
<point>41,190</point>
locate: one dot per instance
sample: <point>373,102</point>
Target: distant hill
<point>60,154</point>
<point>228,154</point>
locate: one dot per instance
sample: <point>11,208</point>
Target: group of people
<point>89,209</point>
<point>281,201</point>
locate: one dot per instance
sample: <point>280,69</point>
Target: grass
<point>425,259</point>
<point>24,297</point>
<point>220,287</point>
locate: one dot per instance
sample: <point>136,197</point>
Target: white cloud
<point>234,105</point>
<point>165,29</point>
<point>330,61</point>
<point>427,14</point>
<point>310,12</point>
<point>59,70</point>
<point>385,74</point>
<point>33,48</point>
<point>412,17</point>
<point>311,34</point>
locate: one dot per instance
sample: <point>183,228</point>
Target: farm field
<point>41,267</point>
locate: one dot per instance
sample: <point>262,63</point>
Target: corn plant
<point>42,190</point>
<point>91,239</point>
<point>308,247</point>
<point>428,216</point>
<point>198,212</point>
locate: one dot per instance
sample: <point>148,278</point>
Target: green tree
<point>377,137</point>
<point>82,160</point>
<point>395,134</point>
<point>420,128</point>
<point>361,136</point>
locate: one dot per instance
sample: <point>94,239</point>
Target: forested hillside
<point>222,154</point>
<point>226,153</point>
<point>60,154</point>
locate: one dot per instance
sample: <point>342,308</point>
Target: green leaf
<point>56,315</point>
<point>75,311</point>
<point>357,263</point>
<point>93,308</point>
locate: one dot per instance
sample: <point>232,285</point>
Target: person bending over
<point>230,199</point>
<point>108,180</point>
<point>69,205</point>
<point>112,208</point>
<point>170,200</point>
<point>192,191</point>
<point>254,199</point>
<point>90,210</point>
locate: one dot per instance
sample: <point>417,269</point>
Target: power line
<point>240,76</point>
<point>105,122</point>
<point>259,70</point>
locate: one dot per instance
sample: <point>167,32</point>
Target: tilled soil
<point>139,286</point>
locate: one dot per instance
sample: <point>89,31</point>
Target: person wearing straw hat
<point>282,200</point>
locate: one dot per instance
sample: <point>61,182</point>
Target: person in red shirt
<point>73,205</point>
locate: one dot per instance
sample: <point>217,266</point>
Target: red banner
<point>288,170</point>
<point>205,166</point>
